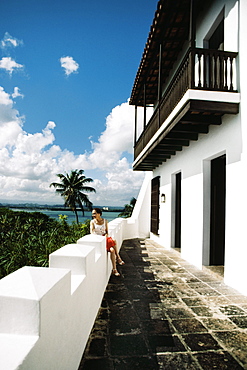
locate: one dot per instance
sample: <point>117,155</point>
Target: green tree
<point>72,188</point>
<point>27,239</point>
<point>128,209</point>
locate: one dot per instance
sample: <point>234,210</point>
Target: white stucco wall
<point>165,216</point>
<point>139,222</point>
<point>235,246</point>
<point>230,138</point>
<point>194,164</point>
<point>230,9</point>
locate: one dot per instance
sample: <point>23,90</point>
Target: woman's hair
<point>98,210</point>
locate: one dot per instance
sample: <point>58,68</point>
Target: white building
<point>193,73</point>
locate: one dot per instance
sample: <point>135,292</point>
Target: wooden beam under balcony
<point>159,151</point>
<point>175,147</point>
<point>182,136</point>
<point>185,127</point>
<point>159,157</point>
<point>181,127</point>
<point>201,119</point>
<point>202,106</point>
<point>178,142</point>
<point>152,163</point>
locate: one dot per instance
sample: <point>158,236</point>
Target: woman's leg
<point>119,259</point>
<point>113,260</point>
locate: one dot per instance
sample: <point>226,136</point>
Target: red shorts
<point>109,243</point>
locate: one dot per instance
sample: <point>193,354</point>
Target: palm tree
<point>72,188</point>
<point>128,209</point>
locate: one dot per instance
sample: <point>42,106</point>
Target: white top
<point>99,229</point>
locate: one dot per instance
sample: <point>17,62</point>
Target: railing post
<point>160,73</point>
<point>221,78</point>
<point>159,82</point>
<point>231,74</point>
<point>226,72</point>
<point>215,71</point>
<point>199,69</point>
<point>144,115</point>
<point>135,133</point>
<point>192,69</point>
<point>205,66</point>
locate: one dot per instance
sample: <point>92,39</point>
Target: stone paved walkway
<point>163,313</point>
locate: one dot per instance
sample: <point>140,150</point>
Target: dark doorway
<point>214,66</point>
<point>178,211</point>
<point>218,206</point>
<point>216,41</point>
<point>155,193</point>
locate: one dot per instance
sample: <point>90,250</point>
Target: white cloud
<point>120,182</point>
<point>30,162</point>
<point>17,93</point>
<point>69,65</point>
<point>10,121</point>
<point>117,137</point>
<point>5,98</point>
<point>9,65</point>
<point>9,42</point>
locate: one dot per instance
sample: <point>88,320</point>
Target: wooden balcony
<point>178,119</point>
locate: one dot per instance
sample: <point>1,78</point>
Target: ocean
<point>70,215</point>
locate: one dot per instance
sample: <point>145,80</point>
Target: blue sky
<point>66,73</point>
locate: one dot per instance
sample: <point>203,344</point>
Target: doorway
<point>216,41</point>
<point>155,194</point>
<point>178,211</point>
<point>217,211</point>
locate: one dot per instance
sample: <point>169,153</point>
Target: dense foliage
<point>27,239</point>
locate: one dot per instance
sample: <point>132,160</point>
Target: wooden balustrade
<point>201,69</point>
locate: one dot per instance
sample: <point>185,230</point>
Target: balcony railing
<point>201,69</point>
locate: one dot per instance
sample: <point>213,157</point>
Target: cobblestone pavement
<point>163,313</point>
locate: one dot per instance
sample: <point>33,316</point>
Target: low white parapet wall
<point>46,314</point>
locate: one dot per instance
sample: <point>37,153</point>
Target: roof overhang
<point>170,28</point>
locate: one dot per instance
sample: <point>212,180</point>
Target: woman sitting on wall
<point>99,226</point>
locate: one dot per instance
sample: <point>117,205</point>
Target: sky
<point>66,73</point>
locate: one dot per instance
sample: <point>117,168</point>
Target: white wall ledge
<point>14,348</point>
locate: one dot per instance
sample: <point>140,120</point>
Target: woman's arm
<point>106,228</point>
<point>91,227</point>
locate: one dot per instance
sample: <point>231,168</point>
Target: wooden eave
<point>171,29</point>
<point>193,120</point>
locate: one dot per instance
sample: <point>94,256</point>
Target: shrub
<point>27,239</point>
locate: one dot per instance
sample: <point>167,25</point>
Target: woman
<point>99,226</point>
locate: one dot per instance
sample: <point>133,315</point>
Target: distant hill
<point>53,207</point>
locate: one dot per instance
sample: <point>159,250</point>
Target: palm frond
<point>72,188</point>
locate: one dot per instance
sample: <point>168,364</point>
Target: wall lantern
<point>163,198</point>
